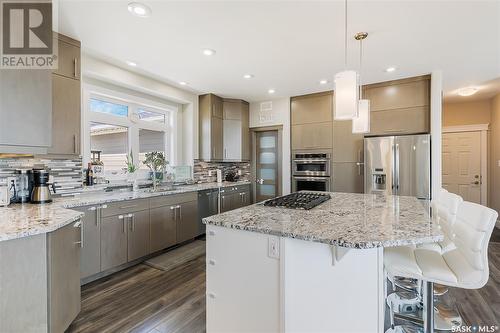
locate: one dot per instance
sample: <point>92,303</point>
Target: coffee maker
<point>41,192</point>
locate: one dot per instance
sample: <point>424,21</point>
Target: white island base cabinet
<point>263,283</point>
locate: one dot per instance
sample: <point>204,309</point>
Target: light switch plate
<point>273,247</point>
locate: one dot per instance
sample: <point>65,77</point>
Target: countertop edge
<point>330,241</point>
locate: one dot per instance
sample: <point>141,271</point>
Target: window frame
<point>131,121</point>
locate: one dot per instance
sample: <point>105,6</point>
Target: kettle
<point>41,192</point>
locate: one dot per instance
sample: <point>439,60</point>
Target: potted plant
<point>131,170</point>
<point>156,162</point>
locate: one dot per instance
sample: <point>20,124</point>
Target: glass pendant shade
<point>361,124</point>
<point>346,95</point>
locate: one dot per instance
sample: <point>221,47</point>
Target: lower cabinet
<point>187,221</point>
<point>235,197</point>
<point>64,276</point>
<point>138,235</point>
<point>91,248</point>
<point>113,241</point>
<point>163,227</point>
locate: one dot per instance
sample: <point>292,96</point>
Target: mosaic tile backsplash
<point>67,173</point>
<point>202,168</point>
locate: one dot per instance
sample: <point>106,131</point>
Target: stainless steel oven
<point>301,183</point>
<point>311,164</point>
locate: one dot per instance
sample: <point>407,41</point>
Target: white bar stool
<point>464,266</point>
<point>444,211</point>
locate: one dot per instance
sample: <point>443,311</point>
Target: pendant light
<point>346,85</point>
<point>361,124</point>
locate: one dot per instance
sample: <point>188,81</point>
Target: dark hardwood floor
<point>146,299</point>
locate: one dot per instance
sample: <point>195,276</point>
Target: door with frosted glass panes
<point>266,165</point>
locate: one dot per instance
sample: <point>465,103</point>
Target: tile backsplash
<point>67,173</point>
<point>202,168</point>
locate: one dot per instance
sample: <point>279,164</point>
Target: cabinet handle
<point>225,153</point>
<point>211,262</point>
<point>180,212</point>
<point>394,131</point>
<point>129,206</point>
<point>104,206</point>
<point>79,224</point>
<point>92,208</point>
<point>97,216</point>
<point>75,68</point>
<point>121,217</point>
<point>132,221</point>
<point>174,212</point>
<point>211,295</point>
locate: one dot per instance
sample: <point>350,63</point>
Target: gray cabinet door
<point>187,221</point>
<point>65,116</point>
<point>91,250</point>
<point>232,135</point>
<point>163,227</point>
<point>113,241</point>
<point>68,59</point>
<point>138,234</point>
<point>348,177</point>
<point>64,276</point>
<point>217,139</point>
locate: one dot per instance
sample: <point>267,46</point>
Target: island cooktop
<point>298,200</point>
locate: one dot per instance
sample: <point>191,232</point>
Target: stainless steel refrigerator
<point>398,165</point>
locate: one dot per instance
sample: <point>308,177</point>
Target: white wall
<point>187,120</point>
<point>436,131</point>
<point>280,115</point>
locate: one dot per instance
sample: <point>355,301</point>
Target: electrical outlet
<point>273,247</point>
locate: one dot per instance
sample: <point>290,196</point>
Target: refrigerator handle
<point>397,169</point>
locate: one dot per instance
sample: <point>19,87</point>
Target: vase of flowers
<point>156,162</point>
<point>132,171</point>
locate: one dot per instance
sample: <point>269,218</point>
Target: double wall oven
<point>311,171</point>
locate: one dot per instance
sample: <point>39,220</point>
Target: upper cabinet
<point>223,129</point>
<point>69,57</point>
<point>66,99</point>
<point>312,121</point>
<point>399,107</point>
<point>314,108</point>
<point>236,132</point>
<point>210,127</point>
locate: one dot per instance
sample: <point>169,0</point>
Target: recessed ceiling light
<point>248,76</point>
<point>131,63</point>
<point>208,52</point>
<point>271,91</point>
<point>182,83</point>
<point>469,91</point>
<point>390,69</point>
<point>323,82</point>
<point>139,9</point>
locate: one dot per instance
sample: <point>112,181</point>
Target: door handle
<point>475,182</point>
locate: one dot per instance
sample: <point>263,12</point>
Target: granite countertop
<point>349,220</point>
<point>18,221</point>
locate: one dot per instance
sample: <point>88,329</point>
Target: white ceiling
<point>290,46</point>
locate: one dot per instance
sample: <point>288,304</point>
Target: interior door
<point>413,165</point>
<point>462,164</point>
<point>266,165</point>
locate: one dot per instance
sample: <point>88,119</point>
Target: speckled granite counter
<point>348,220</point>
<point>17,221</point>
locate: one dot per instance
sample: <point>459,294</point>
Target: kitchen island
<point>273,269</point>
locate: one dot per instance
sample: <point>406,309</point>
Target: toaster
<point>4,192</point>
